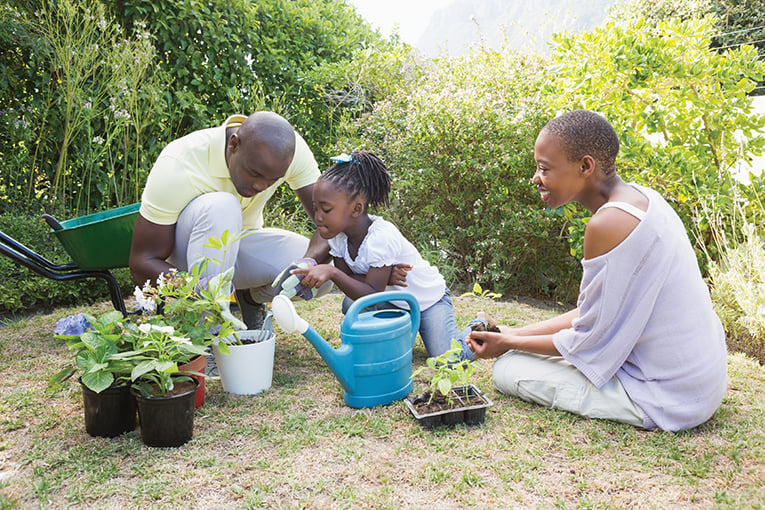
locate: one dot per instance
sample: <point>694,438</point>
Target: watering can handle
<point>387,296</point>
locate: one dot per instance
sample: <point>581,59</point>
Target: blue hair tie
<point>345,158</point>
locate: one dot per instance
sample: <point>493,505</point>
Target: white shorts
<point>555,383</point>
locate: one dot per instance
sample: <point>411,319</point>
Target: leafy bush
<point>676,104</point>
<point>22,290</point>
<point>459,144</point>
<point>238,56</point>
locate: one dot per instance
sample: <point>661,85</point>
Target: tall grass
<point>737,270</point>
<point>738,292</point>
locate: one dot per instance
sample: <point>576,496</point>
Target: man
<point>220,179</point>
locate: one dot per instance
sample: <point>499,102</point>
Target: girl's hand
<point>316,276</point>
<point>398,275</point>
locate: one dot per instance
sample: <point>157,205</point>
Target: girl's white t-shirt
<point>385,246</point>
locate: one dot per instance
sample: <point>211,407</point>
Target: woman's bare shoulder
<point>606,230</point>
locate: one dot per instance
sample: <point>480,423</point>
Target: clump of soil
<point>491,325</point>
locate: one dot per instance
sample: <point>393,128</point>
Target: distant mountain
<point>521,23</point>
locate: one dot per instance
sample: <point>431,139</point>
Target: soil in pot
<point>423,404</point>
<point>168,420</point>
<point>109,413</point>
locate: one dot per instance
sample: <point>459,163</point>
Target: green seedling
<point>481,293</point>
<point>449,370</point>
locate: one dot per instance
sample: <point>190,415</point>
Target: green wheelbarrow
<point>95,242</point>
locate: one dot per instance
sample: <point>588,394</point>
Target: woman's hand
<point>486,344</point>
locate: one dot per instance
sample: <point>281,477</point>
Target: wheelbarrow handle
<point>52,222</point>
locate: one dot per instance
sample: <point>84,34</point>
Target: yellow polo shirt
<point>195,164</point>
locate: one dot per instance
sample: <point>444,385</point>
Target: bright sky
<point>412,16</point>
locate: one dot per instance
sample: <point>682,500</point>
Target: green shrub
<point>23,290</point>
<point>676,104</point>
<point>237,56</point>
<point>86,101</point>
<point>459,143</point>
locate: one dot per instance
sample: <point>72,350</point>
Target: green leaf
<point>61,376</point>
<point>98,381</point>
<point>142,368</point>
<point>444,386</point>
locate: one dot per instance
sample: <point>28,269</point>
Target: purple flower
<point>73,325</point>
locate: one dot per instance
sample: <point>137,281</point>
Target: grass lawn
<point>298,446</point>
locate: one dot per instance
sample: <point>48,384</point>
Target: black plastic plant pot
<point>167,421</point>
<point>469,407</point>
<point>109,413</point>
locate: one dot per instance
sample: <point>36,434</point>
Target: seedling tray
<point>473,414</point>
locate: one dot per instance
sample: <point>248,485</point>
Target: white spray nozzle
<point>286,316</point>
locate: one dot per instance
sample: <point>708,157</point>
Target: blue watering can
<point>374,362</point>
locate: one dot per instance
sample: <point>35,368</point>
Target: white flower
<point>181,340</point>
<point>145,304</point>
<point>146,328</point>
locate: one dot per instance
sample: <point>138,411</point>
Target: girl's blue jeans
<point>437,326</point>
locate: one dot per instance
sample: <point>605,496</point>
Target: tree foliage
<point>736,22</point>
<point>677,105</point>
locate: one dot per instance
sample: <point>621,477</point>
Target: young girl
<point>644,345</point>
<point>365,248</point>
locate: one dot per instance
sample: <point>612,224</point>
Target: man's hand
<point>290,284</point>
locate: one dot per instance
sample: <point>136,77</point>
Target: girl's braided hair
<point>363,175</point>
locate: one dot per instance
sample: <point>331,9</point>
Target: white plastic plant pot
<point>249,368</point>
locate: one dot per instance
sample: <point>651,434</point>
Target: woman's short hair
<point>583,133</point>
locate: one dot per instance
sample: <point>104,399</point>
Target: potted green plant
<point>451,398</point>
<point>105,378</point>
<point>181,315</point>
<point>196,307</point>
<point>165,396</point>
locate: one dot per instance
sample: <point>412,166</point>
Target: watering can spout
<point>338,359</point>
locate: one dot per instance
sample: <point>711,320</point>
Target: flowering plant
<point>179,317</point>
<point>158,350</point>
<point>182,315</point>
<point>98,341</point>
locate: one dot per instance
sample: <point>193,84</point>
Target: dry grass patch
<point>298,446</point>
